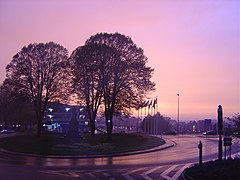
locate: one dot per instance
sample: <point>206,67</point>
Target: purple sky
<point>193,45</point>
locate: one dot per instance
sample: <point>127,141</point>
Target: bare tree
<point>236,120</point>
<point>90,63</point>
<point>126,77</point>
<point>41,71</point>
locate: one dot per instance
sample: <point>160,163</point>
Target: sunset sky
<point>193,45</point>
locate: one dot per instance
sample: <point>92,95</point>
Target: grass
<point>57,144</point>
<point>227,170</point>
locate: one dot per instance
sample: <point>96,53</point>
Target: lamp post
<point>178,116</point>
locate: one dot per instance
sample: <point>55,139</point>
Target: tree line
<point>109,70</point>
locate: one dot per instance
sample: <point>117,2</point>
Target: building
<point>121,124</point>
<point>58,116</point>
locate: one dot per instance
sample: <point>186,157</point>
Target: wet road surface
<point>164,164</point>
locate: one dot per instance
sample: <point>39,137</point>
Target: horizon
<point>193,46</point>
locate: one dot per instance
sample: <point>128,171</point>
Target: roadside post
<point>200,152</point>
<point>227,142</point>
<point>220,131</point>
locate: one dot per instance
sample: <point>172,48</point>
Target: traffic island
<point>58,145</point>
<point>227,170</point>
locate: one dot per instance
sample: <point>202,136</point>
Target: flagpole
<point>154,120</point>
<point>138,120</point>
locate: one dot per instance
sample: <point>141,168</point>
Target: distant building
<point>121,124</point>
<point>58,115</point>
<point>208,124</point>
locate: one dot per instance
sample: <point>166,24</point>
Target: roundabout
<point>165,163</point>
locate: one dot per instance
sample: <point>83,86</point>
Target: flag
<point>155,102</point>
<point>145,104</point>
<point>149,104</point>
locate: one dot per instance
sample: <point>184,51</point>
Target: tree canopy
<point>236,120</point>
<point>109,70</point>
<point>127,79</point>
<point>39,70</point>
<point>15,107</point>
<point>90,63</point>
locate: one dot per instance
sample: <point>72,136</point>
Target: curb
<point>184,176</point>
<point>159,148</point>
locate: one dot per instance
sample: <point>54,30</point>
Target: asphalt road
<point>164,164</point>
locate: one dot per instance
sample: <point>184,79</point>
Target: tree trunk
<point>39,126</point>
<point>92,126</point>
<point>109,125</point>
<point>109,129</point>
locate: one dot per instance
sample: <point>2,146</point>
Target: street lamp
<point>178,115</point>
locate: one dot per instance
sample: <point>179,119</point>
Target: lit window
<point>50,109</point>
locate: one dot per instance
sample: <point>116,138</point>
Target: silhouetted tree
<point>90,65</point>
<point>40,71</point>
<point>15,107</point>
<point>126,77</point>
<point>236,120</point>
<point>5,104</point>
<point>156,124</point>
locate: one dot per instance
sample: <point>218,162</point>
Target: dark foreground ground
<point>57,144</point>
<point>227,170</point>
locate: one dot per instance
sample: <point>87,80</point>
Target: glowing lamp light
<point>55,125</point>
<point>194,128</point>
<point>50,116</point>
<point>67,109</point>
<point>50,109</point>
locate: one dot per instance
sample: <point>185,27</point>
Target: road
<point>164,164</point>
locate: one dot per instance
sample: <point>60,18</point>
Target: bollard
<point>200,152</point>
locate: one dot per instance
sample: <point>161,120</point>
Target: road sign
<point>227,141</point>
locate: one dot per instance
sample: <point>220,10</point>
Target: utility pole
<point>178,116</point>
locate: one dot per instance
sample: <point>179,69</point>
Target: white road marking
<point>236,155</point>
<point>127,176</point>
<point>166,172</point>
<point>180,171</point>
<point>109,176</point>
<point>145,174</point>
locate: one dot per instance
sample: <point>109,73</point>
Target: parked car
<point>210,133</point>
<point>7,131</point>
